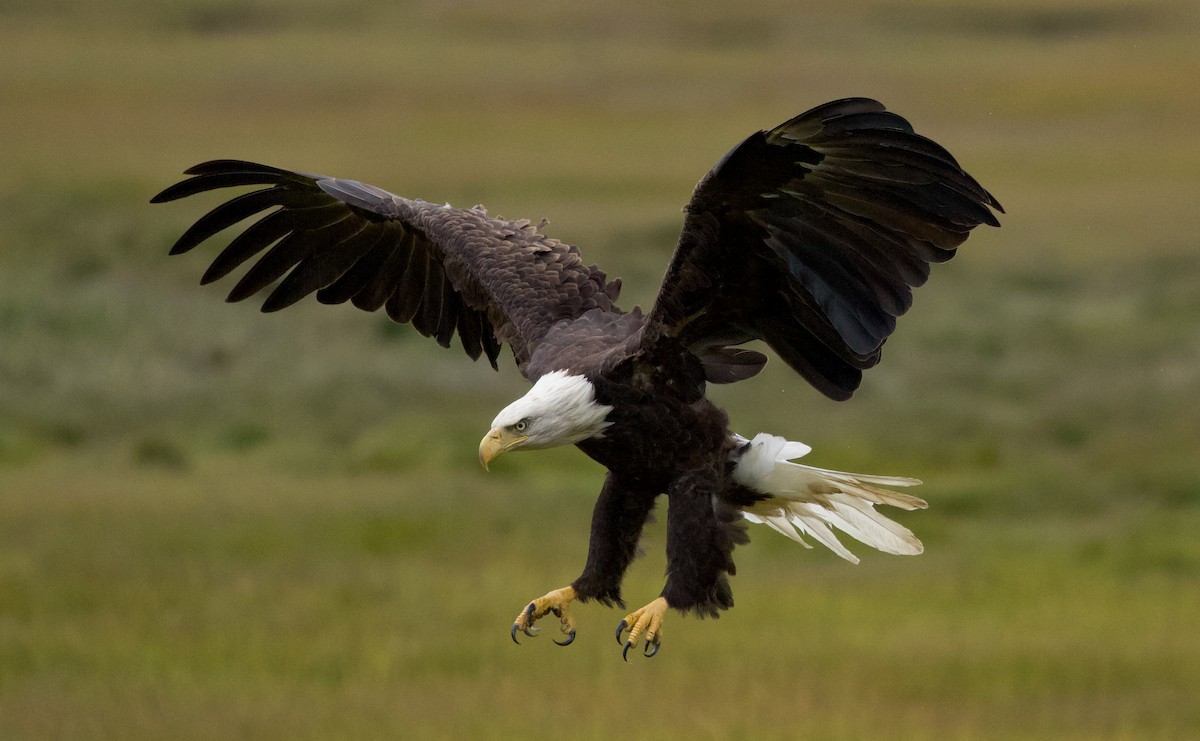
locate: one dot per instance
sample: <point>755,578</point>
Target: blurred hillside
<point>218,523</point>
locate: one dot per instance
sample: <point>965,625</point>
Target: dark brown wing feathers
<point>443,270</point>
<point>811,236</point>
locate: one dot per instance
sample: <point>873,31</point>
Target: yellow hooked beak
<point>496,442</point>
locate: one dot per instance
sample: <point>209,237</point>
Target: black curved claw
<point>514,634</point>
<point>621,629</point>
<point>569,641</point>
<point>651,648</point>
<point>625,653</point>
<point>529,630</point>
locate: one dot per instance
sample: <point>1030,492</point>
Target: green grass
<point>229,601</point>
<point>218,524</point>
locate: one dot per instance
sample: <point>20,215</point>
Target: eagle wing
<point>810,237</point>
<point>442,269</point>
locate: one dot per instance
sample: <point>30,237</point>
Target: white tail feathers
<point>807,501</point>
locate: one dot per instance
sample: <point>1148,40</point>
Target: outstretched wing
<point>811,236</point>
<point>442,269</point>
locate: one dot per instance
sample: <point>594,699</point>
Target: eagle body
<point>677,443</point>
<point>808,237</point>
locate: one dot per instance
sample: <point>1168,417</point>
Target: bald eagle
<point>809,236</point>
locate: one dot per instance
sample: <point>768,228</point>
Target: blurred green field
<point>219,524</point>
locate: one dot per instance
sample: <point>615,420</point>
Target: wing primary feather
<point>233,211</point>
<point>868,121</point>
<point>266,231</point>
<point>940,206</point>
<point>228,165</point>
<point>288,252</point>
<point>908,259</point>
<point>320,269</point>
<point>810,122</point>
<point>261,234</point>
<point>202,183</point>
<point>272,265</point>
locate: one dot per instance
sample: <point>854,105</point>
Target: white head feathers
<point>560,409</point>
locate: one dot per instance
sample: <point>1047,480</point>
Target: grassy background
<point>218,524</point>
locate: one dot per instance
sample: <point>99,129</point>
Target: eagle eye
<point>522,425</point>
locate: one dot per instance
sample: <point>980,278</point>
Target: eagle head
<point>560,409</point>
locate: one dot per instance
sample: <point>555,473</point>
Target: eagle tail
<point>804,500</point>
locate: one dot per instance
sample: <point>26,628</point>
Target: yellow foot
<point>648,620</point>
<point>552,602</point>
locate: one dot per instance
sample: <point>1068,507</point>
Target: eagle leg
<point>557,602</point>
<point>647,620</point>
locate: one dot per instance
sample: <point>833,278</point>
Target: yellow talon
<point>556,602</point>
<point>647,620</point>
